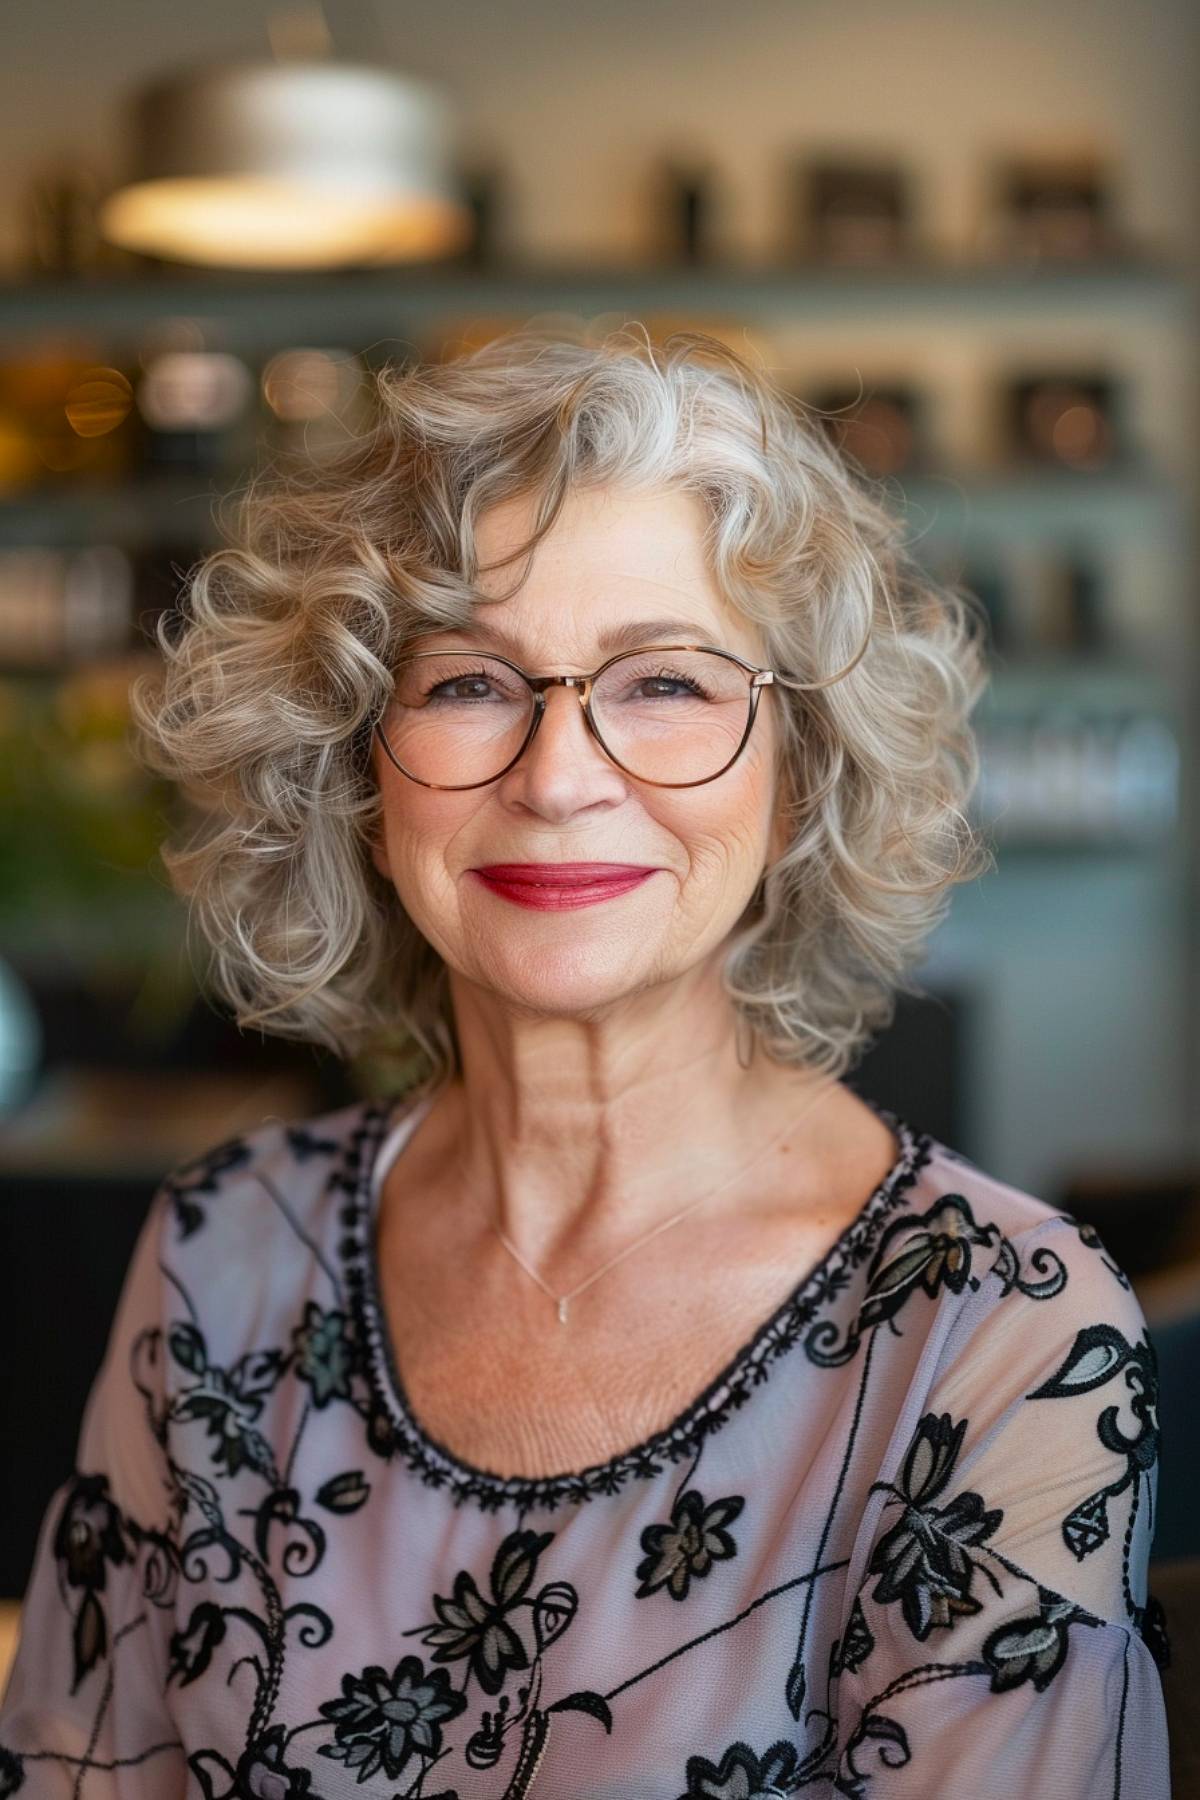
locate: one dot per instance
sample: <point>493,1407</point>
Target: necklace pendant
<point>562,1312</point>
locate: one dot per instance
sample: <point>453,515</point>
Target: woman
<point>629,1409</point>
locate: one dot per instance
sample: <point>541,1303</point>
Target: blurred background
<point>969,236</point>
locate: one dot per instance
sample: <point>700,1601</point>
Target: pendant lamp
<point>289,165</point>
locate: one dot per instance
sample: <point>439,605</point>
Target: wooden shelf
<point>181,509</point>
<point>385,306</point>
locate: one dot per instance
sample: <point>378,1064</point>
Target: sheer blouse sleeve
<point>1001,1639</point>
<point>85,1712</point>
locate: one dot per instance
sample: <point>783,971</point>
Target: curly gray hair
<point>264,705</point>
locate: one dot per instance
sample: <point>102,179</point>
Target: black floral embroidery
<point>203,1176</point>
<point>924,1560</point>
<point>1033,1647</point>
<point>1098,1355</point>
<point>91,1537</point>
<point>924,1253</point>
<point>741,1775</point>
<point>382,1720</point>
<point>251,1519</point>
<point>326,1353</point>
<point>482,1631</point>
<point>262,1773</point>
<point>852,1649</point>
<point>190,1650</point>
<point>887,1737</point>
<point>228,1400</point>
<point>694,1540</point>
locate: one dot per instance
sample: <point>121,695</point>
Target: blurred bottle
<point>684,210</point>
<point>60,606</point>
<point>1049,207</point>
<point>61,230</point>
<point>483,187</point>
<point>197,407</point>
<point>850,209</point>
<point>1070,614</point>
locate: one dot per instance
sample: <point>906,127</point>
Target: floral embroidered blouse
<point>898,1547</point>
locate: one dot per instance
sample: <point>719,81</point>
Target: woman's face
<point>609,559</point>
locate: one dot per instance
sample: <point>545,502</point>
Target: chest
<point>490,1372</point>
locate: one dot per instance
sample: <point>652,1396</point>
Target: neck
<point>573,1141</point>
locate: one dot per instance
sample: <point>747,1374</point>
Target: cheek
<point>414,835</point>
<point>728,837</point>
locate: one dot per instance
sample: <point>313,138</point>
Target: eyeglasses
<point>673,715</point>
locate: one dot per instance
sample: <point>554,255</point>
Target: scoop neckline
<point>395,1423</point>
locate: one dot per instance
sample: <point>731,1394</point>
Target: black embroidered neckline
<point>749,1367</point>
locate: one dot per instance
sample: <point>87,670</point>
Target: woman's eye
<point>447,688</point>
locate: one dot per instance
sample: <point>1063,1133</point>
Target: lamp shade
<point>289,165</point>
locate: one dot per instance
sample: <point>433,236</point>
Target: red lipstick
<point>555,886</point>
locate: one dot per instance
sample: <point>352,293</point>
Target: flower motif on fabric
<point>741,1775</point>
<point>482,1631</point>
<point>923,1560</point>
<point>90,1536</point>
<point>695,1539</point>
<point>325,1350</point>
<point>1100,1354</point>
<point>1033,1647</point>
<point>926,1252</point>
<point>382,1720</point>
<point>228,1400</point>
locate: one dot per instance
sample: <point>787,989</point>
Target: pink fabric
<point>898,1549</point>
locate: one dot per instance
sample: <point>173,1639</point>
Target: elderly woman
<point>626,1410</point>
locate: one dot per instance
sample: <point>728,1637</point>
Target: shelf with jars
<point>259,310</point>
<point>131,408</point>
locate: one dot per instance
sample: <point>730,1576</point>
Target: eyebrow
<point>627,636</point>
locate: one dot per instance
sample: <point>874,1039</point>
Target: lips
<point>562,874</point>
<point>558,887</point>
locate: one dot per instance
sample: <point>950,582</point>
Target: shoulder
<point>279,1166</point>
<point>238,1237</point>
<point>239,1253</point>
<point>1034,1423</point>
<point>1027,1296</point>
<point>1000,1240</point>
<point>1046,1379</point>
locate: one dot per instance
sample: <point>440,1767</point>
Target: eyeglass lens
<point>675,716</point>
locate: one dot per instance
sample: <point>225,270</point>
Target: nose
<point>564,765</point>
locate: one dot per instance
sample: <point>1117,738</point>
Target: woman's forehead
<point>615,570</point>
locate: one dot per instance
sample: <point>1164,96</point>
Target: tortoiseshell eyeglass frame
<point>758,679</point>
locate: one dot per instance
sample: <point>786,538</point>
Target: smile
<point>556,886</point>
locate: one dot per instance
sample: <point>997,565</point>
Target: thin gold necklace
<point>561,1301</point>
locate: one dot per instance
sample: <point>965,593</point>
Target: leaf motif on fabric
<point>1098,1353</point>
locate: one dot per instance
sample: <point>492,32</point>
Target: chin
<point>571,983</point>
